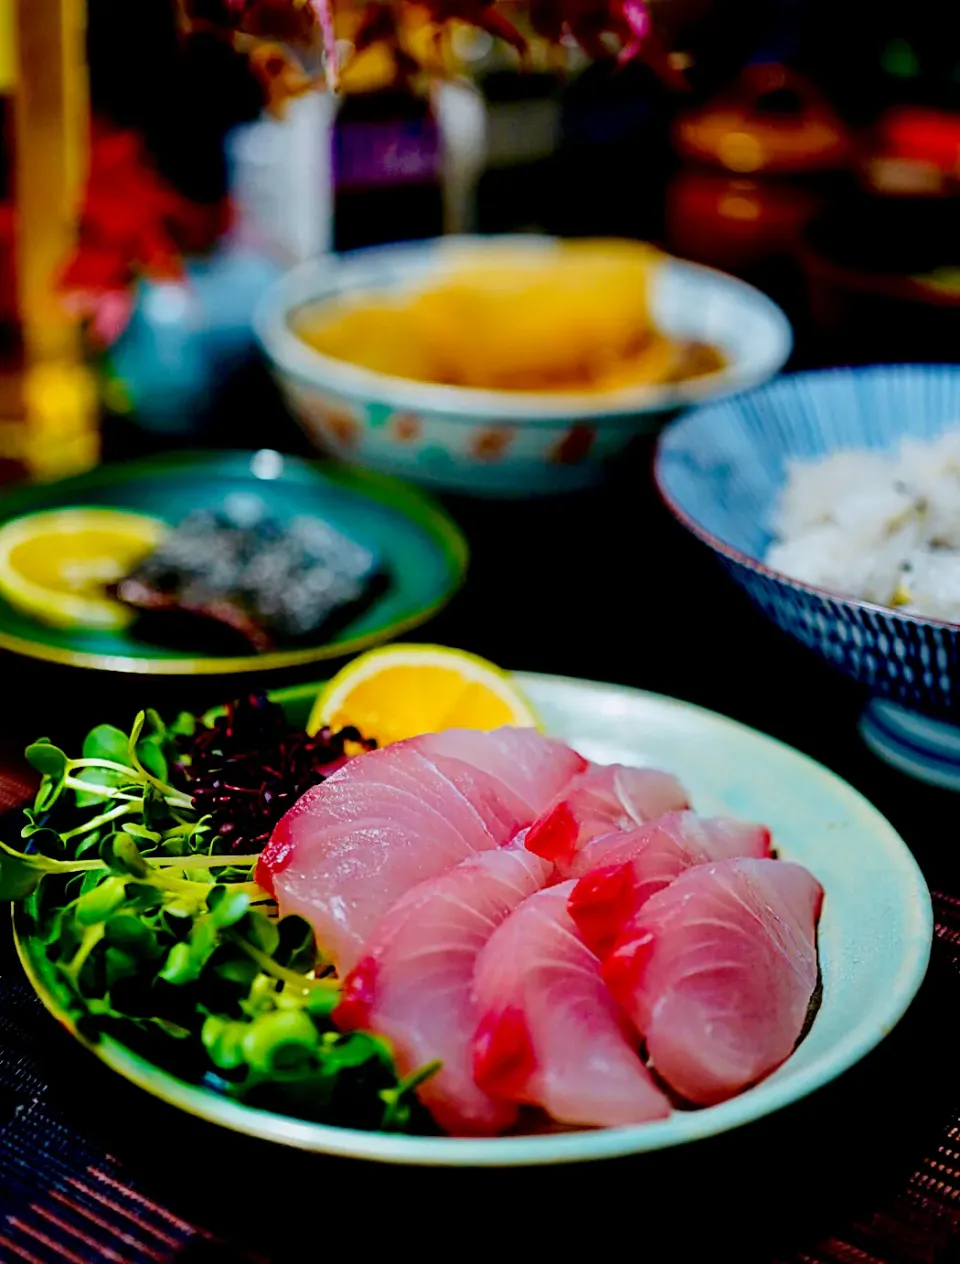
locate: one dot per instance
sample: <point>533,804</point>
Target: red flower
<point>133,223</point>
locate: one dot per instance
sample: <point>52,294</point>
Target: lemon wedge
<point>400,691</point>
<point>56,565</point>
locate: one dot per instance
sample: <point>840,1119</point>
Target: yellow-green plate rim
<point>440,523</point>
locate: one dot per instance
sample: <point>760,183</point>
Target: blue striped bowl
<point>720,470</point>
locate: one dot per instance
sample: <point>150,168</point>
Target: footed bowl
<point>720,470</point>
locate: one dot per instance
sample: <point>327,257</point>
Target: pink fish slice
<point>348,850</point>
<point>414,983</point>
<point>604,798</point>
<point>550,1034</point>
<point>717,972</point>
<point>619,872</point>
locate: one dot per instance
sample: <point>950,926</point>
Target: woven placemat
<point>63,1198</point>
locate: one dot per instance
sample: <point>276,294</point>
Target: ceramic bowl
<point>874,936</point>
<point>498,442</point>
<point>721,468</point>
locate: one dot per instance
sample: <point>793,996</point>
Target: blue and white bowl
<point>721,469</point>
<point>501,443</point>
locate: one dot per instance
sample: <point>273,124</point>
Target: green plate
<point>422,548</point>
<point>875,932</point>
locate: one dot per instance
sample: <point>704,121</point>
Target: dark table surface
<point>604,586</point>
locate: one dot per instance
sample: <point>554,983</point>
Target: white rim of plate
<point>586,1145</point>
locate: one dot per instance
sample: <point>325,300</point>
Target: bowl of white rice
<point>833,498</point>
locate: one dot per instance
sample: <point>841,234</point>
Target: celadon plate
<point>875,932</point>
<point>421,548</point>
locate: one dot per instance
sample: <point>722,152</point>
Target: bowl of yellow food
<point>510,366</point>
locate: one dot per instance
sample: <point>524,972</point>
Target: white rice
<point>880,526</point>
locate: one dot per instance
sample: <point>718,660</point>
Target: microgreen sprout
<point>143,913</point>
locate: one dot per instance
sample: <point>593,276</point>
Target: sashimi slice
<point>353,845</point>
<point>604,798</point>
<point>521,769</point>
<point>414,984</point>
<point>717,972</point>
<point>619,872</point>
<point>550,1034</point>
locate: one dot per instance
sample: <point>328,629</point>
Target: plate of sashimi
<point>634,925</point>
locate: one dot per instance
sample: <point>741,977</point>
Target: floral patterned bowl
<point>501,443</point>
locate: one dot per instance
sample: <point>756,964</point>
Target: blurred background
<point>814,150</point>
<point>180,189</point>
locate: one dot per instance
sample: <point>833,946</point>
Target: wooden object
<point>49,401</point>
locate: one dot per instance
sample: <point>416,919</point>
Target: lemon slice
<point>56,565</point>
<point>399,691</point>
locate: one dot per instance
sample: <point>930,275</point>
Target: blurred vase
<point>757,162</point>
<point>388,168</point>
<point>460,112</point>
<point>281,179</point>
<point>184,339</point>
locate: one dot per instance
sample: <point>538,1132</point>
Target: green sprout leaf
<point>19,874</point>
<point>227,907</point>
<point>101,902</point>
<point>152,759</point>
<point>223,1041</point>
<point>153,728</point>
<point>180,966</point>
<point>261,932</point>
<point>155,933</point>
<point>141,831</point>
<point>185,725</point>
<point>356,1049</point>
<point>235,967</point>
<point>48,759</point>
<point>144,897</point>
<point>103,782</point>
<point>397,1101</point>
<point>279,1041</point>
<point>120,853</point>
<point>53,764</point>
<point>44,840</point>
<point>106,742</point>
<point>144,749</point>
<point>129,930</point>
<point>321,1002</point>
<point>156,814</point>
